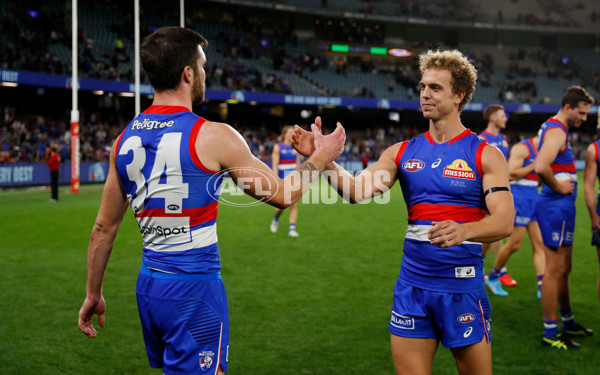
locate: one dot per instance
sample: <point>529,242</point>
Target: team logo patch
<point>413,165</point>
<point>401,321</point>
<point>569,237</point>
<point>459,169</point>
<point>206,360</point>
<point>466,318</point>
<point>464,272</point>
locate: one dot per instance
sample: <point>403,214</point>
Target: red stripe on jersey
<point>428,136</point>
<point>563,128</point>
<point>535,151</point>
<point>165,109</point>
<point>117,144</point>
<point>595,151</point>
<point>478,158</point>
<point>198,215</point>
<point>287,161</point>
<point>192,146</point>
<point>460,136</point>
<point>445,212</point>
<point>563,168</point>
<point>400,152</point>
<point>554,119</point>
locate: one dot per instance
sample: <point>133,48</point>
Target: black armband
<point>495,189</point>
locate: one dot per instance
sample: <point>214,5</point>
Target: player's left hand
<point>446,233</point>
<point>91,307</point>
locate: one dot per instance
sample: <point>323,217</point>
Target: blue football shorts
<point>557,221</point>
<point>455,319</point>
<point>185,321</point>
<point>596,235</point>
<point>524,208</point>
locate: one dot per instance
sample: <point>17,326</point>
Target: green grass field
<point>317,304</point>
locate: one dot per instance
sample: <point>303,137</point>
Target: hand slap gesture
<point>306,143</point>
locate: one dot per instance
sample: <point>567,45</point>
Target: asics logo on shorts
<point>468,332</point>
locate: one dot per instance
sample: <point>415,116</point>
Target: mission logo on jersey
<point>459,169</point>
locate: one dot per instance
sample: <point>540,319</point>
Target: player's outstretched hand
<point>331,145</point>
<point>90,308</point>
<point>303,141</point>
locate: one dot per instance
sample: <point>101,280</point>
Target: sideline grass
<point>317,304</point>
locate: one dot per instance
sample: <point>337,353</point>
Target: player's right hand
<point>567,187</point>
<point>91,307</point>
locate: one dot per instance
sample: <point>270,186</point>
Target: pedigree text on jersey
<point>150,125</point>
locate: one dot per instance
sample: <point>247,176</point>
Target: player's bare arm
<point>376,179</point>
<point>555,140</point>
<point>589,182</point>
<point>275,159</point>
<point>518,154</point>
<point>112,210</point>
<point>221,147</point>
<point>499,223</point>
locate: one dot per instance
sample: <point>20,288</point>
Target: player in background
<point>590,175</point>
<point>555,211</point>
<point>168,166</point>
<point>53,161</point>
<point>524,185</point>
<point>496,119</point>
<point>285,160</point>
<point>450,178</point>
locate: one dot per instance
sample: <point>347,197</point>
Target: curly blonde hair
<point>464,73</point>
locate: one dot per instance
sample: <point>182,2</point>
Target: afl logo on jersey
<point>459,169</point>
<point>413,165</point>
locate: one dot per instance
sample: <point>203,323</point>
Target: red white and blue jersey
<point>499,141</point>
<point>173,196</point>
<point>597,157</point>
<point>525,190</point>
<point>563,166</point>
<point>441,182</point>
<point>531,180</point>
<point>287,159</point>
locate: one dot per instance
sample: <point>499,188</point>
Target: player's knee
<point>560,270</point>
<point>514,247</point>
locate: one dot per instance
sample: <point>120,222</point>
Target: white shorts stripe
<point>525,182</point>
<point>287,166</point>
<point>562,176</point>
